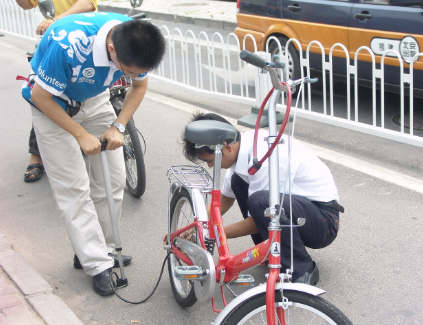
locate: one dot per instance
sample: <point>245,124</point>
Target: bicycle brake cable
<point>257,164</point>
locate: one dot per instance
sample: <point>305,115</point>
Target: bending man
<point>78,58</point>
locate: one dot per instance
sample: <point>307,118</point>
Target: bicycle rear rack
<point>191,177</point>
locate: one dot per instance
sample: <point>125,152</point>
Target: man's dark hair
<point>139,43</point>
<point>189,150</point>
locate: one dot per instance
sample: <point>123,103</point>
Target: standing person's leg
<point>35,167</point>
<point>70,185</point>
<point>240,189</point>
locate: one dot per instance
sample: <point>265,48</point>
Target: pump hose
<point>149,296</point>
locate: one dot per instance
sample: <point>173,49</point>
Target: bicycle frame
<point>231,264</point>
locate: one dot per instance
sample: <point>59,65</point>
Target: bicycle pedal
<point>189,273</point>
<point>244,280</point>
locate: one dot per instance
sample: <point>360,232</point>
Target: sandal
<point>33,172</point>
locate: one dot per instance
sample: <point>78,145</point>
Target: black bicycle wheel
<point>134,160</point>
<point>181,215</point>
<point>299,308</point>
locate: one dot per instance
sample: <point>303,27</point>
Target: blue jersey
<point>71,61</point>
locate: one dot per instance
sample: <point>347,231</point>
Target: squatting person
<point>314,196</point>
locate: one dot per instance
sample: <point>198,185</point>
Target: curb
<point>203,22</point>
<point>36,291</point>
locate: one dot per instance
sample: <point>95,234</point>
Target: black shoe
<point>311,277</point>
<point>125,258</point>
<point>101,284</point>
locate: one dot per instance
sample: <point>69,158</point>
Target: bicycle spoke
<point>185,216</point>
<point>131,162</point>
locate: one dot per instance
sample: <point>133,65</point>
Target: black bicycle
<point>132,151</point>
<point>133,154</point>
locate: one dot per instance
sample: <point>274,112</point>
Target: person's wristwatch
<point>121,128</point>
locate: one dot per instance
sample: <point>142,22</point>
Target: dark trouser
<point>33,145</point>
<point>240,189</point>
<point>319,231</point>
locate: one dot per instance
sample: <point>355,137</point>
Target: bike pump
<point>122,281</point>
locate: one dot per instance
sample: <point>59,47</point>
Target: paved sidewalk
<point>25,297</point>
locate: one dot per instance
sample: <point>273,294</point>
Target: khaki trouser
<point>81,196</point>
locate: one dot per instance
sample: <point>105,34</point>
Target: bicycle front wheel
<point>134,160</point>
<point>298,308</point>
<point>181,214</point>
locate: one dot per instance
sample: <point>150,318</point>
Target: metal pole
<point>112,210</point>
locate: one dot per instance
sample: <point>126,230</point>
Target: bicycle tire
<point>181,205</point>
<point>134,161</point>
<point>303,308</point>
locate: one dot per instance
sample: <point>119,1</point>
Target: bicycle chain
<point>210,243</point>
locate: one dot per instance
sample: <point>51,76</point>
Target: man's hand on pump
<point>114,138</point>
<point>90,145</point>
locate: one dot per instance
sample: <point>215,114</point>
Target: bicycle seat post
<point>217,163</point>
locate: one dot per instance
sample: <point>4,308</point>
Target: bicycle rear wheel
<point>134,160</point>
<point>181,215</point>
<point>299,308</point>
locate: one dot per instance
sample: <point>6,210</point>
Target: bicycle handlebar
<point>253,59</point>
<point>139,16</point>
<point>103,144</point>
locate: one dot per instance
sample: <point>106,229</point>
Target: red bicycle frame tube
<point>273,277</point>
<point>179,254</point>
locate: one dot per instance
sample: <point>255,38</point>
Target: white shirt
<point>310,177</point>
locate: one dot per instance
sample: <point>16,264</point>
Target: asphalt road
<point>371,272</point>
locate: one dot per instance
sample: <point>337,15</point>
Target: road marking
<point>327,154</point>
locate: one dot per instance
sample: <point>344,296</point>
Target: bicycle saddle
<point>209,133</point>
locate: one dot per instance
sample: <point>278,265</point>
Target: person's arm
<point>133,99</point>
<point>241,228</point>
<point>25,4</point>
<point>45,102</point>
<point>78,7</point>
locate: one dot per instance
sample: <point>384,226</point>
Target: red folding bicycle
<point>192,270</point>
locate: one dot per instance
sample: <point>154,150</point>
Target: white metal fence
<point>15,20</point>
<point>210,65</point>
<point>219,73</point>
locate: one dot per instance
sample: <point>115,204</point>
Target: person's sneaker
<point>311,277</point>
<point>125,258</point>
<point>101,284</point>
